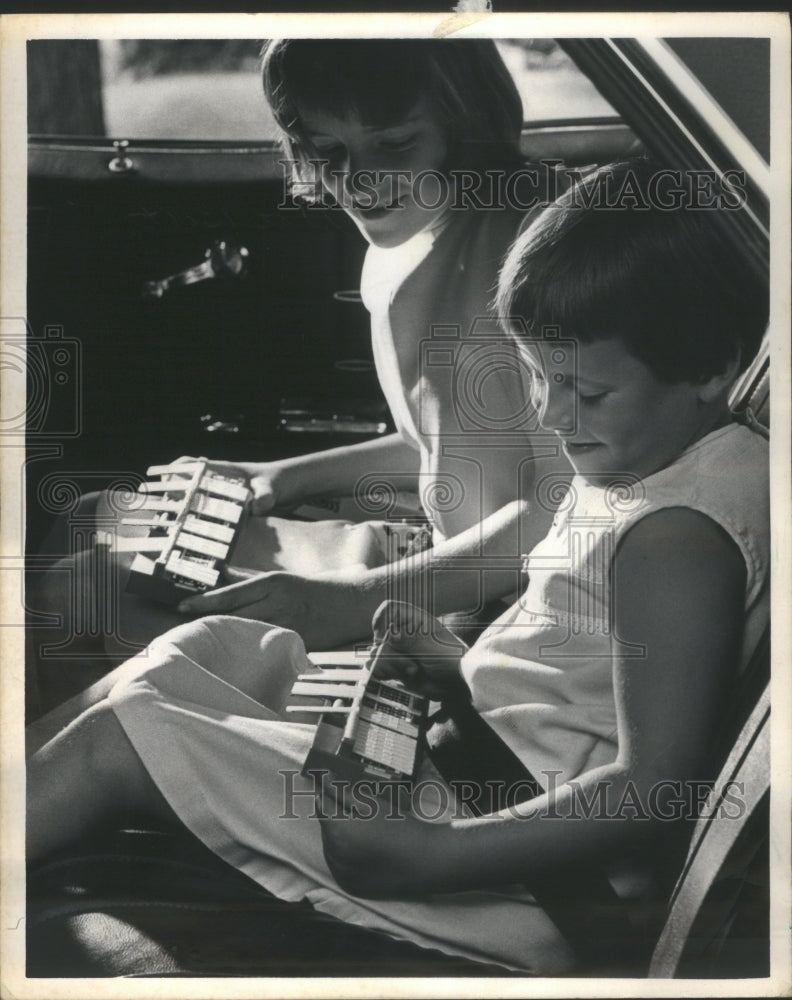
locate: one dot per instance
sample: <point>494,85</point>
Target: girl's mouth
<point>579,448</point>
<point>377,211</point>
<point>373,213</point>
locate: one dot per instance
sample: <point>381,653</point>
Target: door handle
<point>222,260</point>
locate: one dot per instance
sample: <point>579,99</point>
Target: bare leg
<point>40,732</point>
<point>60,540</point>
<point>228,648</point>
<point>85,778</point>
<point>96,624</point>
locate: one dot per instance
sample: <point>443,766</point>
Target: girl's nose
<point>355,170</point>
<point>557,409</point>
<point>346,180</point>
<point>367,186</point>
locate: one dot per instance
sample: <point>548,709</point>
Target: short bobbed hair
<point>601,263</point>
<point>464,83</point>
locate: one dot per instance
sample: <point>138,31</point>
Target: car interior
<point>196,309</point>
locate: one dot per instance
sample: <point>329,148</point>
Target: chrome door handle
<point>222,260</point>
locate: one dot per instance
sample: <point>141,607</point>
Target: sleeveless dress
<point>541,674</point>
<point>227,760</point>
<point>453,380</point>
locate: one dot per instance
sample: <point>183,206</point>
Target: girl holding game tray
<point>409,138</point>
<point>607,679</point>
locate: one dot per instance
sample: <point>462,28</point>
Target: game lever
<point>192,516</point>
<point>368,728</point>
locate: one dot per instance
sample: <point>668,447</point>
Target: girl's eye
<point>594,397</point>
<point>330,150</point>
<point>398,143</point>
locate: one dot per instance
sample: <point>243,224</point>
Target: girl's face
<point>371,171</point>
<point>611,413</point>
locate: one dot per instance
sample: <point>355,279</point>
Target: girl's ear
<point>712,388</point>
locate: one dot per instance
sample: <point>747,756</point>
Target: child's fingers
<point>227,598</point>
<point>381,654</point>
<point>403,624</point>
<point>389,618</point>
<point>235,574</point>
<point>396,666</point>
<point>263,499</point>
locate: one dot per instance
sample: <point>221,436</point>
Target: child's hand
<point>412,646</point>
<point>326,611</point>
<point>261,477</point>
<point>376,849</point>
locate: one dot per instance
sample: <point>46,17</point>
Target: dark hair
<point>464,82</point>
<point>635,252</point>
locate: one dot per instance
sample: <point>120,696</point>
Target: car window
<point>210,89</point>
<point>189,89</point>
<point>550,84</point>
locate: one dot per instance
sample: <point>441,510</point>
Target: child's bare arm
<point>679,594</point>
<point>472,568</point>
<point>331,473</point>
<point>337,607</point>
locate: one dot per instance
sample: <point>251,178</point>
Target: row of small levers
<point>388,725</point>
<point>205,535</point>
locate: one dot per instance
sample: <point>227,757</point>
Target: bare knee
<point>86,779</point>
<point>102,751</point>
<point>71,606</point>
<point>66,535</point>
<point>113,765</point>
